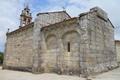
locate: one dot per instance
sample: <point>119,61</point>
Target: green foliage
<point>1,57</point>
<point>1,52</point>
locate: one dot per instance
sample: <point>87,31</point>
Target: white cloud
<point>9,10</point>
<point>75,7</point>
<point>73,10</point>
<point>110,6</point>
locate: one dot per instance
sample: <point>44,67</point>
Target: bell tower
<point>25,17</point>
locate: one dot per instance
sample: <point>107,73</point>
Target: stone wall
<point>64,45</point>
<point>19,49</point>
<point>56,57</point>
<point>48,18</point>
<point>117,44</point>
<point>100,52</point>
<point>91,38</point>
<point>42,20</point>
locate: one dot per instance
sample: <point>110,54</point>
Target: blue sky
<point>11,9</point>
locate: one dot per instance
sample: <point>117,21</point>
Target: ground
<point>17,75</point>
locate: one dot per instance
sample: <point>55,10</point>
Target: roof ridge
<point>25,27</point>
<point>52,12</point>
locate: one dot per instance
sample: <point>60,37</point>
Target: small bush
<point>1,57</point>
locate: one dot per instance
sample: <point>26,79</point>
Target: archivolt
<point>73,38</point>
<point>70,35</point>
<point>51,42</point>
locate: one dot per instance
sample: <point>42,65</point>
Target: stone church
<point>58,43</point>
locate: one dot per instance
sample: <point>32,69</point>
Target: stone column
<point>42,52</point>
<point>60,56</point>
<point>36,45</point>
<point>38,58</point>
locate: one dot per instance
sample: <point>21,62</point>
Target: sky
<point>10,12</point>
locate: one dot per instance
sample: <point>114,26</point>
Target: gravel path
<point>17,75</point>
<point>111,75</point>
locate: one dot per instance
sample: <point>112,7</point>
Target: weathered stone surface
<point>117,44</point>
<point>74,46</point>
<point>19,50</point>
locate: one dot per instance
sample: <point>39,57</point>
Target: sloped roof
<point>32,24</point>
<point>111,23</point>
<point>69,21</point>
<point>21,28</point>
<point>54,12</point>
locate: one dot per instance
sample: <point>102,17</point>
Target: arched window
<point>71,41</point>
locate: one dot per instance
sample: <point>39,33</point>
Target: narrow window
<point>68,46</point>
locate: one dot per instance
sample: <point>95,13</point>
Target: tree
<point>1,57</point>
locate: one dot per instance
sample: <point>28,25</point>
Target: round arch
<point>71,40</point>
<point>51,42</point>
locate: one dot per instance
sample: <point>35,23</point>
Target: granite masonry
<point>57,43</point>
<point>117,44</point>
